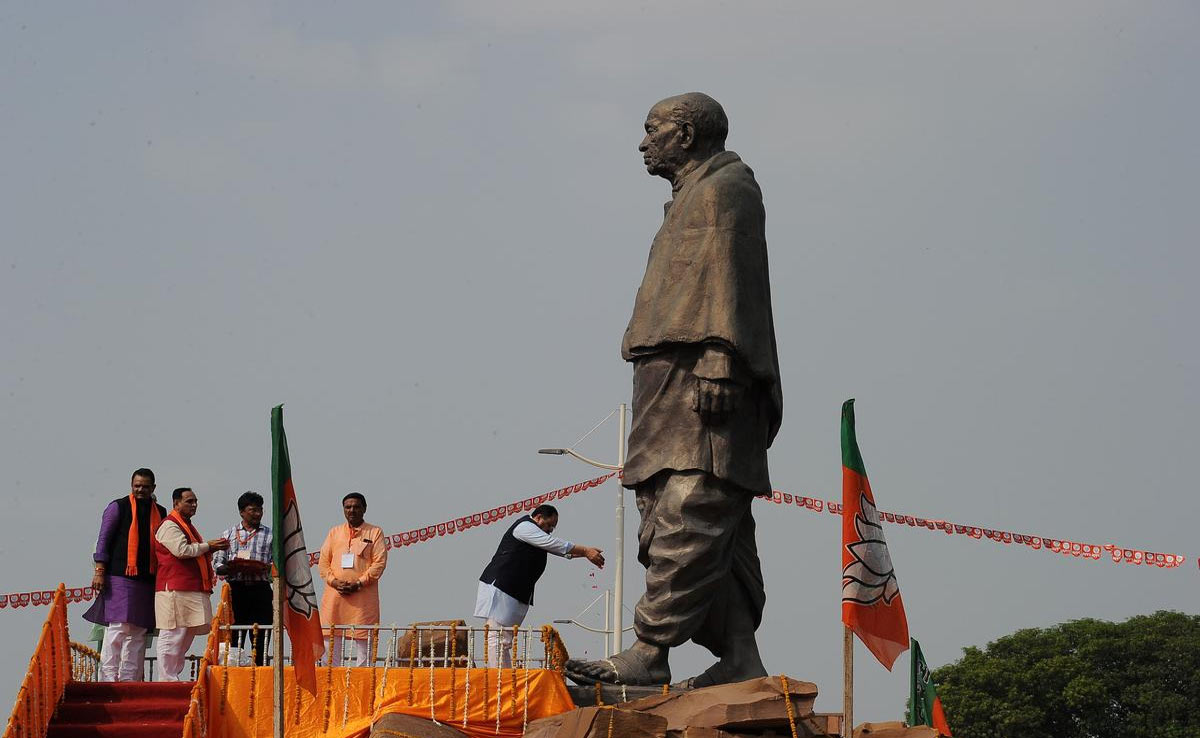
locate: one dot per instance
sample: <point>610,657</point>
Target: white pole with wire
<point>619,575</point>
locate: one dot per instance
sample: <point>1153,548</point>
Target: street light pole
<point>617,609</point>
<point>619,574</point>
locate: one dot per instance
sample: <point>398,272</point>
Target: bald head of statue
<point>682,132</point>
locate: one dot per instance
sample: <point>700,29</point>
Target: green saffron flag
<point>924,706</point>
<point>301,616</point>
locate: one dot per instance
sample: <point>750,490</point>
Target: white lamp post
<point>618,605</point>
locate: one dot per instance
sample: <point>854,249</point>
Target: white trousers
<point>499,645</point>
<point>350,652</point>
<point>122,652</point>
<point>172,648</point>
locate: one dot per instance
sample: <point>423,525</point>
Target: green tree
<point>1082,679</point>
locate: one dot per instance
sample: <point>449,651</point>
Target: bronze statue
<point>706,405</point>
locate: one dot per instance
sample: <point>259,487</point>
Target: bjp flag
<point>871,604</point>
<point>301,616</point>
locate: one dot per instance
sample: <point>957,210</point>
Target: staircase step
<point>114,691</point>
<point>157,729</point>
<point>123,711</point>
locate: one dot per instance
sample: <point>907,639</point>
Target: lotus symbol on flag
<point>301,594</point>
<point>870,576</point>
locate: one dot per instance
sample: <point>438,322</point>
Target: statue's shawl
<point>706,279</point>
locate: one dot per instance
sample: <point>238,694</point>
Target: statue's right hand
<point>715,399</point>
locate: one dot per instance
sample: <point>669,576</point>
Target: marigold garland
<point>373,647</point>
<point>254,665</point>
<point>299,698</point>
<point>387,662</point>
<point>412,660</point>
<point>328,686</point>
<point>487,655</point>
<point>223,637</point>
<point>499,685</point>
<point>470,665</point>
<point>453,671</point>
<point>432,656</point>
<point>346,690</point>
<point>787,700</point>
<point>54,660</point>
<point>515,650</point>
<point>525,714</point>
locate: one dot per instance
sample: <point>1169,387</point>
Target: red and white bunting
<point>1075,549</point>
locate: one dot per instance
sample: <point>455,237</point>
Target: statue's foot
<point>719,673</point>
<point>627,667</point>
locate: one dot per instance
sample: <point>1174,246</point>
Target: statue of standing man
<point>707,403</point>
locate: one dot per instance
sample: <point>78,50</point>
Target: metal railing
<point>442,644</point>
<point>85,663</point>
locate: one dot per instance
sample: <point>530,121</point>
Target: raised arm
<point>530,533</point>
<point>172,538</point>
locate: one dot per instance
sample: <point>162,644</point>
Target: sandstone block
<point>754,705</point>
<point>599,722</point>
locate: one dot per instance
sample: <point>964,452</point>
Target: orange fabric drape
<point>338,697</point>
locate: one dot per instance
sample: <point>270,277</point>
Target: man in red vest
<point>182,605</point>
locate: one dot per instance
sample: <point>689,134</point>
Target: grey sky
<point>421,227</point>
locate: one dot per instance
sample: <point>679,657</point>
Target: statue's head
<point>682,129</point>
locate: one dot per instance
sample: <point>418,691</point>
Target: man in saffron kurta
<point>182,604</point>
<point>352,560</point>
<point>123,579</point>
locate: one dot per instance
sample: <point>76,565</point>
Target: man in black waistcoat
<point>506,585</point>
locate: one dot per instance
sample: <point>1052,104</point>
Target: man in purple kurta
<point>123,579</point>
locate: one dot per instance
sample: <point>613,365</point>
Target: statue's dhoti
<point>694,485</point>
<point>703,576</point>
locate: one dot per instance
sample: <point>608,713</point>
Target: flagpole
<point>912,681</point>
<point>278,459</point>
<point>847,682</point>
<point>277,646</point>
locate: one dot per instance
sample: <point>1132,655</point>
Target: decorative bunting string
<point>408,538</point>
<point>487,517</point>
<point>1076,549</point>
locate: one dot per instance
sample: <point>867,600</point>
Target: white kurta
<point>504,609</point>
<point>182,609</point>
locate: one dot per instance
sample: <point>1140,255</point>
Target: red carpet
<point>122,710</point>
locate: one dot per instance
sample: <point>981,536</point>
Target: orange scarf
<point>131,550</point>
<point>193,536</point>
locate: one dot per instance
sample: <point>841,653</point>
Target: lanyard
<point>245,541</point>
